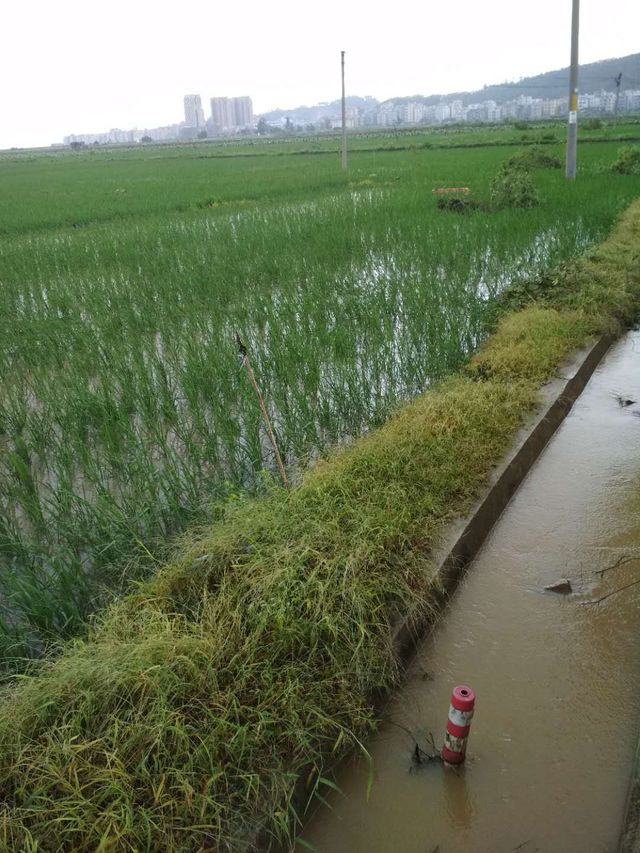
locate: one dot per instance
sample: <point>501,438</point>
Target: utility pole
<point>344,117</point>
<point>572,127</point>
<point>618,79</point>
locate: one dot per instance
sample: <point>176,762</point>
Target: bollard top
<point>463,698</point>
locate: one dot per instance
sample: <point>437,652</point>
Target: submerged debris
<point>563,586</point>
<point>421,756</point>
<point>623,402</point>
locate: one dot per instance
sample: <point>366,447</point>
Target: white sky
<point>73,66</point>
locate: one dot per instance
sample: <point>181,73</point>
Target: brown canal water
<point>557,679</point>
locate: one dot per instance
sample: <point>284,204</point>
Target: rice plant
<point>125,414</point>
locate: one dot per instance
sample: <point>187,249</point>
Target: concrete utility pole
<point>344,117</point>
<point>618,80</point>
<point>572,127</point>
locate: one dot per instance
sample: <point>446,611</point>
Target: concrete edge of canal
<point>547,768</point>
<point>630,835</point>
<point>464,538</point>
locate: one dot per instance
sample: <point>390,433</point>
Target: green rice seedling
<point>120,373</point>
<point>250,661</point>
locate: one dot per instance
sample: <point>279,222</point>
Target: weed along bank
<point>191,649</point>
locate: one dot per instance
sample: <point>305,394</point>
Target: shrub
<point>628,162</point>
<point>513,187</point>
<point>534,157</point>
<point>592,124</point>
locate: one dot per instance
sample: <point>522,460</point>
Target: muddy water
<point>557,679</point>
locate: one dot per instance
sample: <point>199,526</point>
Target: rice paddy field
<point>125,275</point>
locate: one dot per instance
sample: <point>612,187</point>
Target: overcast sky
<point>71,66</point>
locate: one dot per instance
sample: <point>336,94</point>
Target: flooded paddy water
<point>125,413</point>
<point>125,416</point>
<point>557,677</point>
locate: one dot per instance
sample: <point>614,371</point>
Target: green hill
<point>593,77</point>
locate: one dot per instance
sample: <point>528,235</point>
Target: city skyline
<point>62,73</point>
<point>233,114</point>
<point>227,114</point>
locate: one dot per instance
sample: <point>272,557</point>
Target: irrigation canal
<point>557,677</point>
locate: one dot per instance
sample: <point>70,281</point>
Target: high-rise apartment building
<point>221,113</point>
<point>227,113</point>
<point>243,111</point>
<point>193,112</point>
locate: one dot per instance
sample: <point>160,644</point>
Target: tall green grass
<point>124,412</point>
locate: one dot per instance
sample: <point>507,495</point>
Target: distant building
<point>553,107</point>
<point>193,112</point>
<point>220,113</point>
<point>120,136</point>
<point>352,119</point>
<point>114,137</point>
<point>412,112</point>
<point>243,111</point>
<point>536,109</point>
<point>443,112</point>
<point>389,114</point>
<point>231,113</point>
<point>631,99</point>
<point>477,112</point>
<point>160,134</point>
<point>457,111</point>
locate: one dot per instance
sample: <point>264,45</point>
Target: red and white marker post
<point>463,700</point>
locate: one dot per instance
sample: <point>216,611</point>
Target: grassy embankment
<point>124,413</point>
<point>186,718</point>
